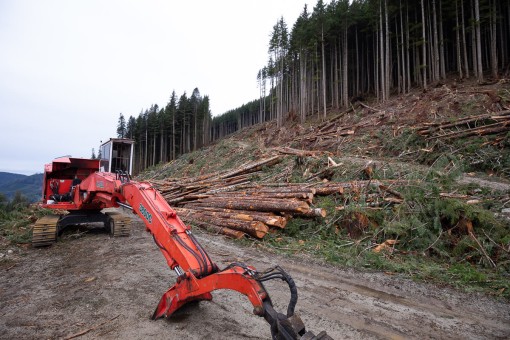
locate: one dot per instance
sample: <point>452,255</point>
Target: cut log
<point>252,195</point>
<point>235,234</point>
<point>253,166</point>
<point>293,189</point>
<point>254,228</point>
<point>267,218</point>
<point>219,214</point>
<point>470,119</point>
<point>329,190</point>
<point>290,205</point>
<point>314,212</point>
<point>478,131</point>
<point>297,152</point>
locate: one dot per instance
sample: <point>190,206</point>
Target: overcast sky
<point>68,68</point>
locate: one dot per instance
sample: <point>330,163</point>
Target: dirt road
<point>95,286</point>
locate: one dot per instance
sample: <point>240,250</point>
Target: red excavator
<point>82,188</point>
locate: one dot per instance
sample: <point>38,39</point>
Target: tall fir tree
<point>121,126</point>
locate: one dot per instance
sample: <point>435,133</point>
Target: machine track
<point>120,225</point>
<point>45,230</point>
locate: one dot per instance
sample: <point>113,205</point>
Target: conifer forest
<point>336,53</point>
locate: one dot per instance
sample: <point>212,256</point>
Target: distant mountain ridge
<point>29,186</point>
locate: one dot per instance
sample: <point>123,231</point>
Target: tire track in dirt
<point>375,305</point>
<point>55,292</point>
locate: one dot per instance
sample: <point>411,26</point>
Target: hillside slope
<point>410,209</point>
<point>29,186</point>
<point>425,181</point>
<point>6,177</point>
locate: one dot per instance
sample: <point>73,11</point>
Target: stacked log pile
<point>175,190</point>
<point>229,203</point>
<point>248,209</point>
<point>479,125</point>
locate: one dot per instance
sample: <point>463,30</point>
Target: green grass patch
<point>431,234</point>
<point>16,217</point>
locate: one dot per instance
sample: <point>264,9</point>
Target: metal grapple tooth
<point>311,336</point>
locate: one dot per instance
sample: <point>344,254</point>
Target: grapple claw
<point>321,336</point>
<point>289,328</point>
<point>170,303</point>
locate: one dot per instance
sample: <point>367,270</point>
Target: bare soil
<point>93,286</point>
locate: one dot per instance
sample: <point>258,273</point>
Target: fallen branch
<point>369,107</point>
<point>90,329</point>
<point>297,152</point>
<point>433,243</point>
<point>466,120</point>
<point>251,167</point>
<point>477,131</point>
<point>482,249</point>
<point>497,245</point>
<point>9,268</point>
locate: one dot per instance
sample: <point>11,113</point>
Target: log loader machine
<point>82,188</point>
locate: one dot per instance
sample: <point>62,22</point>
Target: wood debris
<point>299,153</point>
<point>229,203</point>
<point>479,125</point>
<point>387,245</point>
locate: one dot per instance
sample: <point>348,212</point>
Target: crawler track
<point>121,224</point>
<point>45,231</point>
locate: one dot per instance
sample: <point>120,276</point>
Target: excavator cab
<point>117,156</point>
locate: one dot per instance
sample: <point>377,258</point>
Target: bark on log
<point>267,218</point>
<point>254,166</point>
<point>314,212</point>
<point>252,195</point>
<point>290,206</point>
<point>235,234</point>
<point>219,214</point>
<point>330,190</point>
<point>254,228</point>
<point>428,128</point>
<point>279,185</point>
<point>298,152</point>
<point>270,190</point>
<point>478,131</point>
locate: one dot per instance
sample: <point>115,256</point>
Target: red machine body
<point>81,187</point>
<point>59,175</point>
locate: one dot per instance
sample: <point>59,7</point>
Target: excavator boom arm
<point>197,274</point>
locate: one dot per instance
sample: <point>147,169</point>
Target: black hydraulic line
<point>237,264</point>
<point>192,252</point>
<point>272,277</point>
<point>205,255</point>
<point>160,246</point>
<point>293,293</point>
<point>282,275</point>
<point>200,250</point>
<point>184,245</point>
